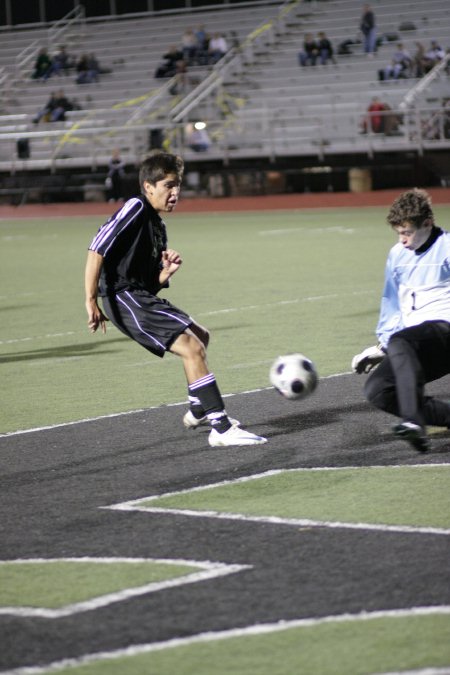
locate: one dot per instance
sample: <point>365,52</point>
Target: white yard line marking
<point>209,570</point>
<point>136,505</point>
<point>211,636</point>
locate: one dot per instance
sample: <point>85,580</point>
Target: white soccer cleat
<point>234,436</point>
<point>192,422</point>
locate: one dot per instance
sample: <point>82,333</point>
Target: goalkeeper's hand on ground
<point>368,359</point>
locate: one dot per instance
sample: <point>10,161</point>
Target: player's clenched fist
<point>171,257</point>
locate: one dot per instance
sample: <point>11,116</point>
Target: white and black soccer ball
<point>294,376</point>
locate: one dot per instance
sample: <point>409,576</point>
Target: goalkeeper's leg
<point>415,356</point>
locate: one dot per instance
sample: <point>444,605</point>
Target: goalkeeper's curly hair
<point>414,207</point>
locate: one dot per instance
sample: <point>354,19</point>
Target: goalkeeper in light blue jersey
<point>414,324</point>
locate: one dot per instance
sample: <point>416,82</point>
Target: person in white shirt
<point>217,47</point>
<point>433,55</point>
<point>400,64</point>
<point>414,324</point>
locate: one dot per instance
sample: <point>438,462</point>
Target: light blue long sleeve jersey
<point>416,287</point>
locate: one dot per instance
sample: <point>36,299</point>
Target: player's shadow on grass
<point>65,351</point>
<point>15,308</point>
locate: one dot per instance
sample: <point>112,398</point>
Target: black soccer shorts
<point>151,321</point>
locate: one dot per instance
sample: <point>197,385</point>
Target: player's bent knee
<point>189,347</point>
<point>196,350</point>
<point>374,393</point>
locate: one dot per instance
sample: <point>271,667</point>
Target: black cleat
<point>414,434</point>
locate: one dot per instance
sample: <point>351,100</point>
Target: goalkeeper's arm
<point>368,359</point>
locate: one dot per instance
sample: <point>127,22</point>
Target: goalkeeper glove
<point>368,359</point>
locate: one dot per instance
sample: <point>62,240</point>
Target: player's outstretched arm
<point>368,359</point>
<point>93,268</point>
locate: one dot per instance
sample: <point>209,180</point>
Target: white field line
<point>296,522</point>
<point>225,310</point>
<point>138,410</point>
<point>39,337</point>
<point>281,303</point>
<point>314,230</point>
<point>209,570</point>
<point>212,636</point>
<point>136,505</point>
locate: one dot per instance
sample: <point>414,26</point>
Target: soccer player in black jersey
<point>128,263</point>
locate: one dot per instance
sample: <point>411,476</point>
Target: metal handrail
<point>264,131</point>
<point>423,84</point>
<point>76,16</point>
<point>233,59</point>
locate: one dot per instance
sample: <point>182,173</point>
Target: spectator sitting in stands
<point>87,69</point>
<point>380,119</point>
<point>308,55</point>
<point>61,62</point>
<point>419,60</point>
<point>95,66</point>
<point>62,105</point>
<point>217,48</point>
<point>45,112</point>
<point>168,67</point>
<point>55,108</point>
<point>42,66</point>
<point>325,48</point>
<point>189,46</point>
<point>197,137</point>
<point>202,45</point>
<point>374,120</point>
<point>400,65</point>
<point>391,122</point>
<point>432,56</point>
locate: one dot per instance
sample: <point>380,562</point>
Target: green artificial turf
<point>415,496</point>
<point>264,283</point>
<point>53,584</point>
<point>334,647</point>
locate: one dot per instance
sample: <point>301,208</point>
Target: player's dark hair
<point>414,207</point>
<point>159,165</point>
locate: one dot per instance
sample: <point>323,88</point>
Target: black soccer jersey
<point>131,243</point>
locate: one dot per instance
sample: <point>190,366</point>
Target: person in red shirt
<point>374,120</point>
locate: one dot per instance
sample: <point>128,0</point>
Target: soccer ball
<point>294,376</point>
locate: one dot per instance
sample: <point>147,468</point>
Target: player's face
<point>163,196</point>
<point>412,237</point>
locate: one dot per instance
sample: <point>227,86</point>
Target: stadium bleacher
<point>259,103</point>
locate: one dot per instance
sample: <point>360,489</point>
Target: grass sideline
<point>265,283</point>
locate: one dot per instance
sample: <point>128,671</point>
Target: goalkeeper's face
<point>412,237</point>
